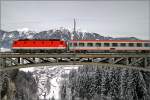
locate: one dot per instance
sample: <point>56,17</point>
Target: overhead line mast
<point>74,26</point>
<point>73,38</point>
<point>74,30</point>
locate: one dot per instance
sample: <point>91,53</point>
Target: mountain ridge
<point>6,38</point>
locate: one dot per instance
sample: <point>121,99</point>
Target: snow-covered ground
<point>23,30</point>
<point>49,79</point>
<point>4,50</point>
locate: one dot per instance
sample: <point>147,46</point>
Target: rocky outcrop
<point>8,87</point>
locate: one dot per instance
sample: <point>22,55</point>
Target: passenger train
<point>80,46</point>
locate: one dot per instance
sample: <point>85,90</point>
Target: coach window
<point>70,44</point>
<point>139,44</point>
<point>106,44</point>
<point>98,44</point>
<point>89,44</point>
<point>75,44</point>
<point>114,44</point>
<point>146,44</point>
<point>131,44</point>
<point>122,44</point>
<point>81,44</point>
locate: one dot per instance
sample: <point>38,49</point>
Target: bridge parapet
<point>18,60</point>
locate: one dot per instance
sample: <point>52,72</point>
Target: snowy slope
<point>49,79</point>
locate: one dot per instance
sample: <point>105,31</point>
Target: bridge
<point>9,60</point>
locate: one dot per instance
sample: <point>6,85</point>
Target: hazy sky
<point>109,18</point>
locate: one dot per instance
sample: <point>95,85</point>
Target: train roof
<point>84,40</point>
<point>110,40</point>
<point>38,40</point>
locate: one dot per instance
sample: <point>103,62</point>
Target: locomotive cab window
<point>131,44</point>
<point>106,44</point>
<point>122,44</point>
<point>15,42</point>
<point>98,44</point>
<point>114,44</point>
<point>139,44</point>
<point>81,44</point>
<point>89,44</point>
<point>146,44</point>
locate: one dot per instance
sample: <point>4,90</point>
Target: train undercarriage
<point>38,51</point>
<point>77,51</point>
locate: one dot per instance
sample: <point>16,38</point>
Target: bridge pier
<point>18,60</point>
<point>127,61</point>
<point>1,83</point>
<point>22,61</point>
<point>2,63</point>
<point>145,62</point>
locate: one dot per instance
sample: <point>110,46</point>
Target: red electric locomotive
<point>51,45</point>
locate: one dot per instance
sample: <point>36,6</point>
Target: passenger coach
<point>110,46</point>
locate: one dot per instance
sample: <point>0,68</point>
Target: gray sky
<point>109,18</point>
